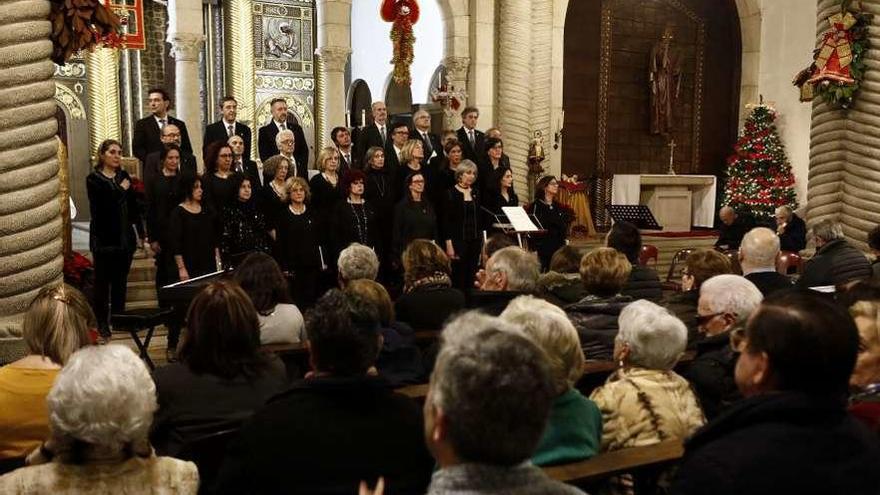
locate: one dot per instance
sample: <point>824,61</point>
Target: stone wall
<point>154,56</point>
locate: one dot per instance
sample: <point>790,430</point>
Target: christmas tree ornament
<point>402,14</point>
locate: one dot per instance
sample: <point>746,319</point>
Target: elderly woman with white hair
<point>574,428</point>
<point>357,262</point>
<point>725,302</point>
<point>644,402</point>
<point>461,226</point>
<point>100,412</point>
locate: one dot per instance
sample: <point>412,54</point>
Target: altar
<point>678,202</point>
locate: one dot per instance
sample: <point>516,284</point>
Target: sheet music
<point>519,219</point>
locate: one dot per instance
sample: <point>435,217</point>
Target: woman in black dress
<point>554,217</point>
<point>112,240</point>
<point>499,193</point>
<point>244,226</point>
<point>444,173</point>
<point>273,197</point>
<point>297,249</point>
<point>414,217</point>
<point>492,167</point>
<point>193,233</point>
<point>220,189</point>
<point>163,195</point>
<point>325,186</point>
<point>379,193</point>
<point>462,229</point>
<point>411,156</point>
<point>354,219</point>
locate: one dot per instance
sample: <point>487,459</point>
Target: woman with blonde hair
<point>411,157</point>
<point>325,185</point>
<point>574,428</point>
<point>604,271</point>
<point>298,243</point>
<point>56,324</point>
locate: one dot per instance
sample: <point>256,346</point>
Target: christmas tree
<point>759,177</point>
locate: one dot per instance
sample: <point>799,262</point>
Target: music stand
<point>504,223</point>
<point>638,215</point>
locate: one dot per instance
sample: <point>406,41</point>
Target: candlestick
<point>363,118</point>
<point>348,118</point>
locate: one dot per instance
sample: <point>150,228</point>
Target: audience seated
<point>56,324</point>
<point>836,261</point>
<point>603,272</point>
<point>487,405</point>
<point>562,284</point>
<point>280,321</point>
<point>340,425</point>
<point>757,256</point>
<point>644,402</point>
<point>863,301</point>
<point>791,433</point>
<point>700,265</point>
<point>222,377</point>
<point>732,228</point>
<point>643,282</point>
<point>574,428</point>
<point>510,272</point>
<point>791,229</point>
<point>356,262</point>
<point>874,246</point>
<point>428,298</point>
<point>493,244</point>
<point>100,411</point>
<point>726,301</point>
<point>399,361</point>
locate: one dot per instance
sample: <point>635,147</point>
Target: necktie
<point>428,149</point>
<point>347,158</point>
<point>471,137</point>
<point>284,126</point>
<point>161,124</point>
<point>231,130</point>
<point>382,132</point>
<point>238,167</point>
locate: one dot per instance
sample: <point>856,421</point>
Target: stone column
<point>515,85</point>
<point>185,28</point>
<point>30,223</point>
<point>333,100</point>
<point>456,77</point>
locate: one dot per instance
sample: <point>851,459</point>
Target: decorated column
<point>332,102</point>
<point>456,79</point>
<point>515,85</point>
<point>30,223</point>
<point>185,29</point>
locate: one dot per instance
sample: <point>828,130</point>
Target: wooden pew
<point>609,464</point>
<point>417,392</point>
<point>294,356</point>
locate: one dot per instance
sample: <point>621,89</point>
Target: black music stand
<point>638,215</point>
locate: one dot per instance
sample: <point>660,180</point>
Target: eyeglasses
<point>738,341</point>
<point>402,132</point>
<point>225,155</point>
<point>703,319</point>
<point>287,141</point>
<point>417,181</point>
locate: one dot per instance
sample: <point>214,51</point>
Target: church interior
<point>506,246</point>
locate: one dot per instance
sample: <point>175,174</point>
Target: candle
<point>348,118</point>
<point>562,119</point>
<point>363,118</point>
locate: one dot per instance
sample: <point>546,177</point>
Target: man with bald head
<point>791,229</point>
<point>757,256</point>
<point>376,134</point>
<point>732,228</point>
<point>170,134</point>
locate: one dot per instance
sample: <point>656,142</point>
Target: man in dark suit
<point>422,132</point>
<point>791,229</point>
<point>757,256</point>
<point>286,143</point>
<point>375,134</point>
<point>393,147</point>
<point>151,166</point>
<point>732,229</point>
<point>146,138</point>
<point>227,127</point>
<point>281,120</point>
<point>242,163</point>
<point>473,142</point>
<point>341,138</point>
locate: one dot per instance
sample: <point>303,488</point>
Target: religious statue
<point>536,154</point>
<point>665,78</point>
<point>835,54</point>
<point>402,14</point>
<point>281,42</point>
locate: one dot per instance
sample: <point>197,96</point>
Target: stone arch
<point>358,101</point>
<point>750,35</point>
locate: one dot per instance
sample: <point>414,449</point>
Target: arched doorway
<point>359,101</point>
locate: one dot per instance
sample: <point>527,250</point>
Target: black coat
<point>267,147</point>
<point>436,147</point>
<point>115,215</point>
<point>472,153</point>
<point>249,168</point>
<point>711,374</point>
<point>835,263</point>
<point>731,236</point>
<point>368,137</point>
<point>643,283</point>
<point>428,307</point>
<point>795,236</point>
<point>146,137</point>
<point>684,306</point>
<point>781,443</point>
<point>454,212</point>
<point>218,132</point>
<point>325,435</point>
<point>769,282</point>
<point>413,221</point>
<point>595,319</point>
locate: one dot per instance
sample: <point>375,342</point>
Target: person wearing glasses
<point>414,216</point>
<point>726,301</point>
<point>554,217</point>
<point>394,147</point>
<point>699,266</point>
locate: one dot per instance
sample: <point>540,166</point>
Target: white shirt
<point>161,122</point>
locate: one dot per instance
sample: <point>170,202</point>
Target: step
<point>141,291</point>
<point>129,305</point>
<point>142,270</point>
